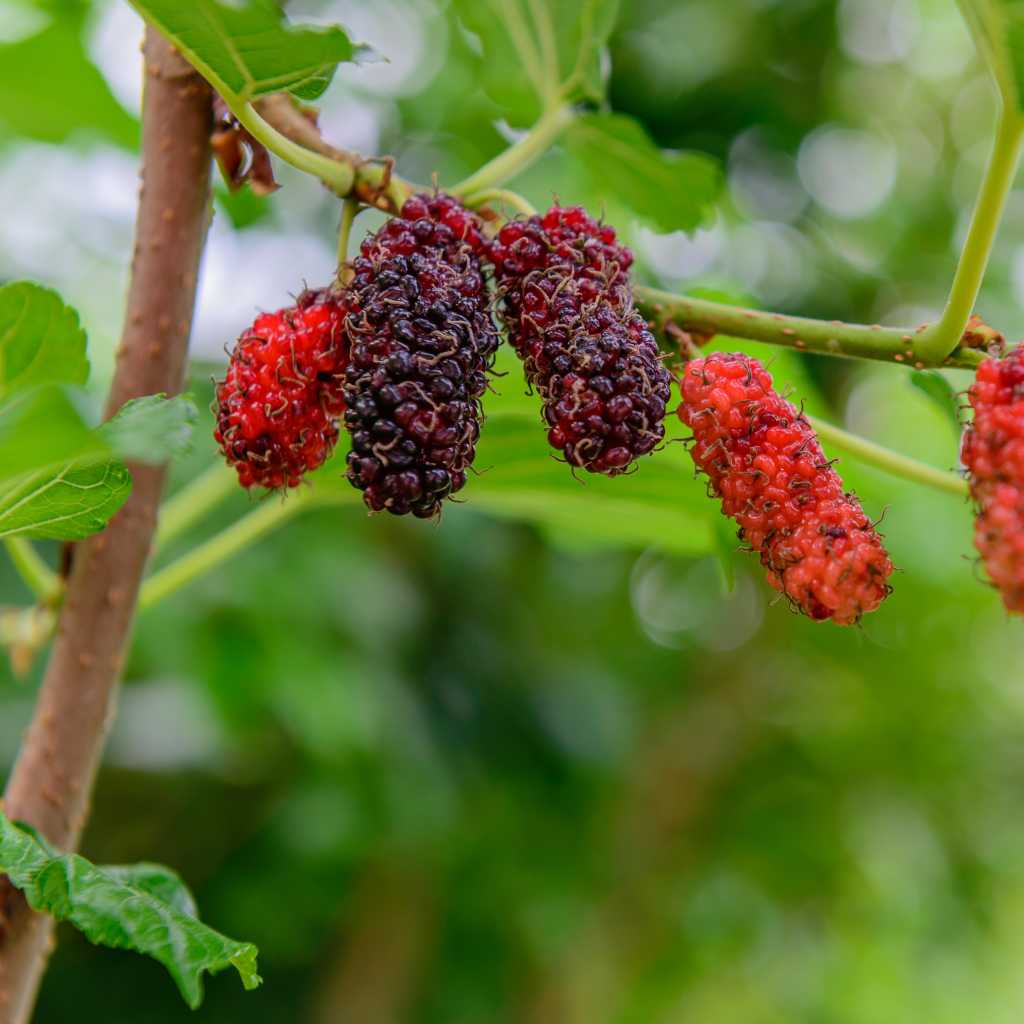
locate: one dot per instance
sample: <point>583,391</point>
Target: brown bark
<point>52,781</point>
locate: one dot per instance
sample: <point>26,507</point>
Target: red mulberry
<point>278,405</point>
<point>422,339</point>
<point>993,452</point>
<point>564,281</point>
<point>766,464</point>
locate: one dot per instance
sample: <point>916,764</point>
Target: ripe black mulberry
<point>568,307</point>
<point>422,339</point>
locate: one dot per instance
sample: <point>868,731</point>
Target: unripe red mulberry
<point>422,339</point>
<point>993,452</point>
<point>766,464</point>
<point>567,303</point>
<point>278,406</point>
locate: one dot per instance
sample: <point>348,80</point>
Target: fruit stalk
<point>520,155</point>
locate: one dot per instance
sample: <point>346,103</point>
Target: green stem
<point>339,176</point>
<point>519,155</point>
<point>500,195</point>
<point>38,576</point>
<point>349,211</point>
<point>888,460</point>
<point>942,338</point>
<point>217,549</point>
<point>831,337</point>
<point>193,501</point>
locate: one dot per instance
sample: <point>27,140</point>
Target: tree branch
<point>284,129</point>
<point>829,337</point>
<point>52,780</point>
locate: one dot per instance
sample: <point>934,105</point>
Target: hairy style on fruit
<point>764,461</point>
<point>568,306</point>
<point>278,405</point>
<point>422,339</point>
<point>993,452</point>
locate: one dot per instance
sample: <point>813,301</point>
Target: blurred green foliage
<point>490,771</point>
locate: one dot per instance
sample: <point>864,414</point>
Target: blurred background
<point>503,768</point>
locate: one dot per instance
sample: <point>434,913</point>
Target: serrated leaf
<point>69,503</point>
<point>124,909</point>
<point>42,428</point>
<point>151,429</point>
<point>248,49</point>
<point>51,90</point>
<point>667,191</point>
<point>538,51</point>
<point>41,340</point>
<point>940,391</point>
<point>160,882</point>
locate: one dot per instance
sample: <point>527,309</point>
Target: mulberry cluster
<point>421,342</point>
<point>767,466</point>
<point>278,406</point>
<point>993,452</point>
<point>567,303</point>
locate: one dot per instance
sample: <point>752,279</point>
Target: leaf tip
<point>244,961</point>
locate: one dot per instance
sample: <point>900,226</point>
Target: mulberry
<point>993,452</point>
<point>767,466</point>
<point>277,408</point>
<point>422,340</point>
<point>568,307</point>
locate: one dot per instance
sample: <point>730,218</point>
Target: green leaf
<point>160,882</point>
<point>519,478</point>
<point>50,90</point>
<point>940,391</point>
<point>247,48</point>
<point>69,503</point>
<point>667,191</point>
<point>592,31</point>
<point>42,428</point>
<point>726,545</point>
<point>998,30</point>
<point>41,340</point>
<point>536,52</point>
<point>243,208</point>
<point>151,429</point>
<point>139,909</point>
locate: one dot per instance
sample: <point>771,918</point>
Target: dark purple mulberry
<point>422,340</point>
<point>564,281</point>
